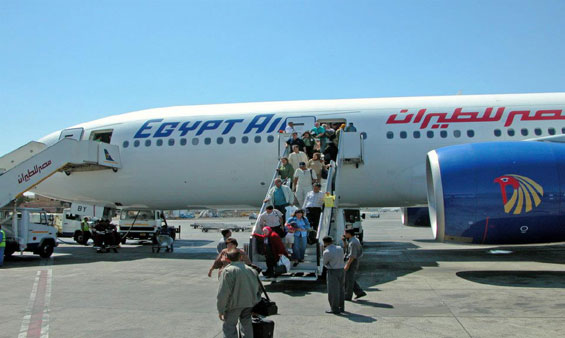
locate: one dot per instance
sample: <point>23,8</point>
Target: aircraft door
<point>302,123</point>
<point>74,133</point>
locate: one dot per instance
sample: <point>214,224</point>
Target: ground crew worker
<point>333,262</point>
<point>2,245</point>
<point>353,255</point>
<point>85,230</point>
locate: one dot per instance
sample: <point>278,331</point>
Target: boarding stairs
<point>33,163</point>
<point>311,269</point>
<point>351,154</point>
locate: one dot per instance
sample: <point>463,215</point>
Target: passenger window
<point>182,141</point>
<point>232,140</point>
<point>171,141</point>
<point>416,134</point>
<point>537,131</point>
<point>562,130</point>
<point>430,134</point>
<point>257,139</point>
<point>551,131</point>
<point>510,132</point>
<point>524,132</point>
<point>471,133</point>
<point>159,142</point>
<point>207,140</point>
<point>147,143</point>
<point>403,134</point>
<point>244,139</point>
<point>443,134</point>
<point>136,143</point>
<point>270,138</point>
<point>220,140</point>
<point>125,144</point>
<point>497,132</point>
<point>389,135</point>
<point>457,133</point>
<point>195,141</point>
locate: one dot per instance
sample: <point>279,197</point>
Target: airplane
<point>463,156</point>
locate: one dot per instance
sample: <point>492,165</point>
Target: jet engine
<point>415,217</point>
<point>497,192</point>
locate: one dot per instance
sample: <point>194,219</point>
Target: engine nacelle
<point>415,217</point>
<point>497,192</point>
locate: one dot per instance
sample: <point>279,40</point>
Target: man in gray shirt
<point>352,257</point>
<point>333,262</point>
<point>238,292</point>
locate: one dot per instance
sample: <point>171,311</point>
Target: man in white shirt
<point>303,180</point>
<point>313,205</point>
<point>296,157</point>
<point>289,128</point>
<point>270,218</point>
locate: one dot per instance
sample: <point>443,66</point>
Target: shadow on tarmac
<point>80,254</point>
<point>373,304</point>
<point>357,318</point>
<point>528,279</point>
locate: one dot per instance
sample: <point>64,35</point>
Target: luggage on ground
<point>263,327</point>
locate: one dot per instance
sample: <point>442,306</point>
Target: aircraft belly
<point>195,179</point>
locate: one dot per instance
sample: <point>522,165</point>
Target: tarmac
<point>416,288</point>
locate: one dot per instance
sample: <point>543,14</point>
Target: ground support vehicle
<point>31,230</point>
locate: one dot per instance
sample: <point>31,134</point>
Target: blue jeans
<point>1,256</point>
<point>299,248</point>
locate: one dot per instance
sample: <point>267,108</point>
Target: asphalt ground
<point>416,288</point>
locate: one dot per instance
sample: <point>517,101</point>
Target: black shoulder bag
<point>265,307</point>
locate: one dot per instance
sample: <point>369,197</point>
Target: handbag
<point>265,307</point>
<point>311,239</point>
<point>324,173</point>
<point>284,261</point>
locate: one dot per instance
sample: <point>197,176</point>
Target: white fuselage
<point>216,167</point>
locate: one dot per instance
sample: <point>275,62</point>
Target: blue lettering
<point>274,124</point>
<point>260,126</point>
<point>209,125</point>
<point>144,127</point>
<point>166,129</point>
<point>230,124</point>
<point>184,128</point>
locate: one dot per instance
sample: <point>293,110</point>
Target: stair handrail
<point>264,204</point>
<point>326,218</point>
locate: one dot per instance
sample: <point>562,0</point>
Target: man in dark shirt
<point>295,140</point>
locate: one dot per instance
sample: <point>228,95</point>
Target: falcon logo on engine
<point>526,193</point>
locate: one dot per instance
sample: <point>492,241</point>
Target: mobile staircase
<point>332,223</point>
<point>27,166</point>
<point>33,163</point>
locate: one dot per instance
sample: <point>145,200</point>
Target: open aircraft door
<point>74,133</point>
<point>302,123</point>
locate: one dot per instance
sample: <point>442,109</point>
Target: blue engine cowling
<point>497,192</point>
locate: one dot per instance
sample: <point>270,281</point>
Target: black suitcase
<point>263,327</point>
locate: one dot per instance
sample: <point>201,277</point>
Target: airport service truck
<point>353,220</point>
<point>31,230</point>
<point>72,218</point>
<point>139,223</point>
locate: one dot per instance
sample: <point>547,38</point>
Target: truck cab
<point>32,230</point>
<point>139,223</point>
<point>353,220</point>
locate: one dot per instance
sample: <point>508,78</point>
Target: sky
<point>67,62</point>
